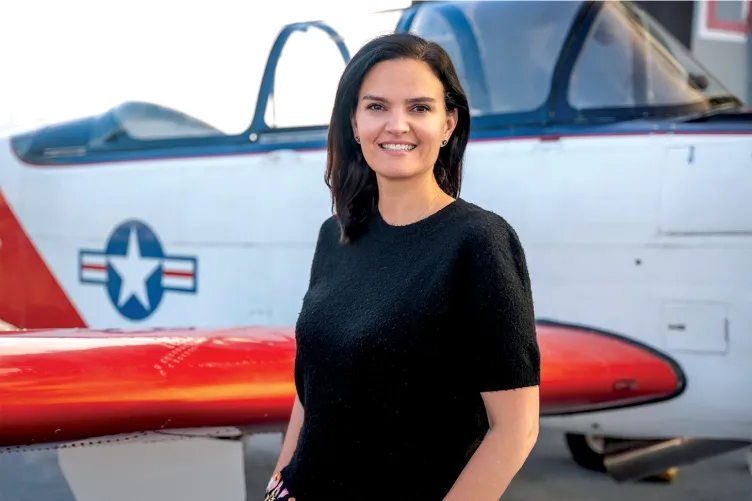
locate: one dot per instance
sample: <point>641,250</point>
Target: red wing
<point>72,385</point>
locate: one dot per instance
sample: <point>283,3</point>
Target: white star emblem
<point>134,271</point>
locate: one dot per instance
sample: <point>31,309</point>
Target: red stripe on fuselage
<point>166,273</point>
<point>186,274</point>
<point>94,267</point>
<point>30,296</point>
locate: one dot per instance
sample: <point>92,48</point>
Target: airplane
<point>621,162</point>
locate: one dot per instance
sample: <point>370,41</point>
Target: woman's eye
<point>420,108</point>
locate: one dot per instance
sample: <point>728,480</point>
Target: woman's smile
<point>398,149</point>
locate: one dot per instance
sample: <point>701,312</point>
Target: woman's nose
<point>397,123</point>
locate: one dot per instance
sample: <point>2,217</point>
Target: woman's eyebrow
<point>412,100</point>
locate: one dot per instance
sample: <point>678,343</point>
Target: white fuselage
<point>648,236</point>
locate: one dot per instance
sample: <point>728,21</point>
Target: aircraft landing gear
<point>588,452</point>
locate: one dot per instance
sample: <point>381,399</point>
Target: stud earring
<point>357,139</point>
<point>444,142</point>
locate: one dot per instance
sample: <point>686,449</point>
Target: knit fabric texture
<point>399,333</point>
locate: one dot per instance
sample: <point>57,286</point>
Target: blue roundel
<point>134,270</point>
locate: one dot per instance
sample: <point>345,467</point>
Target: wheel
<point>586,451</point>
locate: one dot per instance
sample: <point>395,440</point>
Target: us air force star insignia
<point>135,270</point>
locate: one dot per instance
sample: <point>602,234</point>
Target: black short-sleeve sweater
<point>399,333</point>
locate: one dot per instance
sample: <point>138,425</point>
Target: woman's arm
<point>500,358</point>
<point>291,436</point>
<point>513,417</point>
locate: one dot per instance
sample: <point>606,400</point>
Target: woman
<point>417,367</point>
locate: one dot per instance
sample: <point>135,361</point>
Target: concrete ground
<point>549,475</point>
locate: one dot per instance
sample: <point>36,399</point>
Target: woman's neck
<point>403,202</point>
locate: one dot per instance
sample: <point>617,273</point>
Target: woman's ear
<point>451,123</point>
<point>354,126</point>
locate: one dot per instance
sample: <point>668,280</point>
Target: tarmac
<point>548,475</point>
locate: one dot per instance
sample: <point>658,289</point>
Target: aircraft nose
<point>588,370</point>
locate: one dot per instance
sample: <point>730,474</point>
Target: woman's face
<point>401,118</point>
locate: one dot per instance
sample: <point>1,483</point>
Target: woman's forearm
<point>494,464</point>
<point>291,436</point>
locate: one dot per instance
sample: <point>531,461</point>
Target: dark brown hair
<point>351,181</point>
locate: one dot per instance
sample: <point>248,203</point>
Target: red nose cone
<point>588,370</point>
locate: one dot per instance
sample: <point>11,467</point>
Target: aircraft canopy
<point>616,63</point>
<point>522,63</point>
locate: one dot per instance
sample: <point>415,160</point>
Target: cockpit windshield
<point>513,57</point>
<point>507,52</point>
<point>629,61</point>
<point>310,65</point>
<point>504,52</point>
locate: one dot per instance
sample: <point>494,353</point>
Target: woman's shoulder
<point>329,227</point>
<point>328,234</point>
<point>484,228</point>
<point>491,252</point>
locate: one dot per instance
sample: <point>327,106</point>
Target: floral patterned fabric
<point>276,490</point>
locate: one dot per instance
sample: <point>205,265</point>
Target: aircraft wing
<point>65,385</point>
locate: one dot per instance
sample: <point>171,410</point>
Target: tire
<point>584,453</point>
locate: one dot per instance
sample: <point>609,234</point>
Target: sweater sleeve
<point>502,350</point>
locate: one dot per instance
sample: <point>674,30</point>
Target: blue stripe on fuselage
<point>290,140</point>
